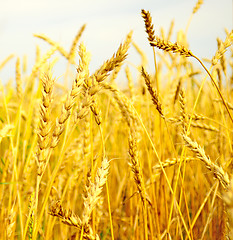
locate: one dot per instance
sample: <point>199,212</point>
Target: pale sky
<point>108,22</point>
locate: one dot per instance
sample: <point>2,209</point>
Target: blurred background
<point>108,23</point>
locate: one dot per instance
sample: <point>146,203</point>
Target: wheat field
<point>89,160</point>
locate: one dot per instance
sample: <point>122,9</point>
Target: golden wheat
<point>57,142</point>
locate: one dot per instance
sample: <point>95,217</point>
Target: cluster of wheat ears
<point>152,161</point>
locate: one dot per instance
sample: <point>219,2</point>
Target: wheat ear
<point>10,221</point>
<point>135,165</point>
<point>115,61</point>
<point>19,88</point>
<point>71,54</point>
<point>223,59</point>
<point>151,37</point>
<point>44,132</point>
<point>183,110</point>
<point>124,104</point>
<point>66,110</point>
<point>152,92</point>
<point>94,190</point>
<point>197,6</point>
<point>217,171</point>
<point>148,24</point>
<point>222,48</point>
<point>71,219</point>
<point>169,46</point>
<point>53,43</point>
<point>130,81</point>
<point>2,64</point>
<point>82,73</point>
<point>42,61</point>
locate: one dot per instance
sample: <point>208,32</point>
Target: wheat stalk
<point>228,199</point>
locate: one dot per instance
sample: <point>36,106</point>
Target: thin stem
<point>216,86</point>
<point>109,210</point>
<point>156,71</point>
